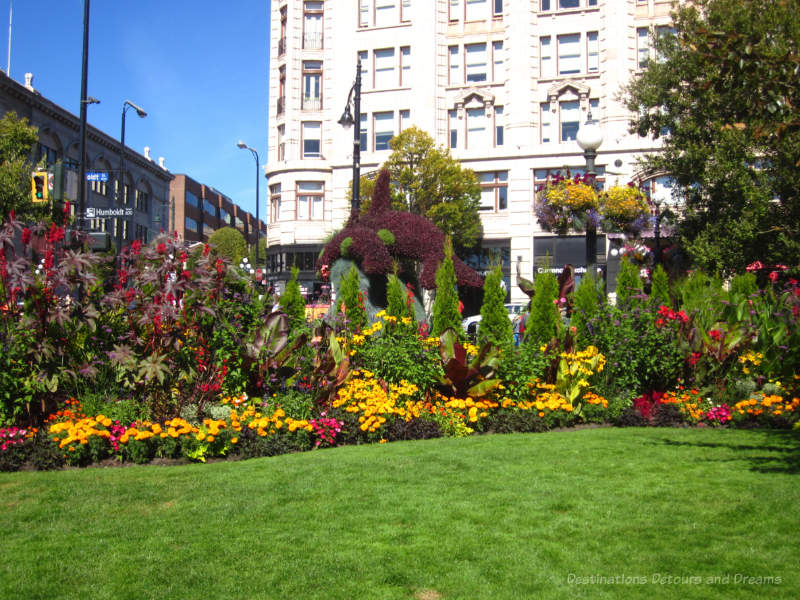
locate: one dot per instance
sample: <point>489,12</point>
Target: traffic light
<point>39,187</point>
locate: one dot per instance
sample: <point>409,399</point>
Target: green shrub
<point>386,236</point>
<point>586,304</point>
<point>542,324</point>
<point>396,298</point>
<point>445,305</point>
<point>495,326</point>
<point>292,302</point>
<point>659,291</point>
<point>344,247</point>
<point>628,282</point>
<point>351,296</point>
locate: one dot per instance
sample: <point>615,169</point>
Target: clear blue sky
<point>198,68</point>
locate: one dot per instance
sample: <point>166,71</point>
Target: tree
<point>433,184</point>
<point>16,142</point>
<point>495,326</point>
<point>445,305</point>
<point>724,91</point>
<point>229,242</point>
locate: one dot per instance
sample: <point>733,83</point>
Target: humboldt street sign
<point>96,176</point>
<point>99,213</point>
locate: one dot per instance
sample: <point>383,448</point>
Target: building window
<point>190,224</point>
<point>311,142</point>
<point>385,12</point>
<point>274,202</point>
<point>498,126</point>
<point>281,90</point>
<point>383,127</point>
<point>310,195</point>
<point>498,68</point>
<point>282,39</point>
<point>281,142</point>
<point>663,31</point>
<point>545,123</point>
<point>452,118</point>
<point>497,9</point>
<point>454,71</point>
<point>642,47</point>
<point>569,54</point>
<point>548,5</point>
<point>592,53</point>
<point>454,10</point>
<point>312,25</point>
<point>363,133</point>
<point>405,119</point>
<point>569,119</point>
<point>494,190</point>
<point>405,66</point>
<point>476,10</point>
<point>363,56</point>
<point>546,69</point>
<point>209,208</point>
<point>142,201</point>
<point>385,76</point>
<point>312,85</point>
<point>475,62</point>
<point>363,13</point>
<point>477,129</point>
<point>224,216</point>
<point>192,200</point>
<point>405,11</point>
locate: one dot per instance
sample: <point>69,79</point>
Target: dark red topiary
<point>415,238</point>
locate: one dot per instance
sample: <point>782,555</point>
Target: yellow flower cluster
<point>235,400</point>
<point>750,358</point>
<point>264,425</point>
<point>582,362</point>
<point>771,405</point>
<point>624,203</point>
<point>473,409</point>
<point>375,401</point>
<point>575,196</point>
<point>79,431</point>
<point>595,399</point>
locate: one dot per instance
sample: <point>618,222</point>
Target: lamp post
<point>82,148</point>
<point>589,139</point>
<point>243,146</point>
<point>121,184</point>
<point>346,121</point>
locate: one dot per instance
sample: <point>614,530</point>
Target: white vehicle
<point>470,324</point>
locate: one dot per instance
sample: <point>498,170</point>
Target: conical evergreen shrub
<point>495,326</point>
<point>445,305</point>
<point>628,282</point>
<point>659,290</point>
<point>586,305</point>
<point>292,303</point>
<point>542,324</point>
<point>350,300</point>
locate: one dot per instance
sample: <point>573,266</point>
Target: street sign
<point>100,213</point>
<point>96,176</point>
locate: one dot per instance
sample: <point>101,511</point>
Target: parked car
<point>470,324</point>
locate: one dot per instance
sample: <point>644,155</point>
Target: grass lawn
<point>503,516</point>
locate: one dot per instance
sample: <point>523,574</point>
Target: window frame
<point>310,195</point>
<point>307,75</point>
<point>309,13</point>
<point>303,140</point>
<point>497,184</point>
<point>375,132</point>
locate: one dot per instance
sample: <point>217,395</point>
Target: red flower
<point>26,236</point>
<point>773,277</point>
<point>755,266</point>
<point>161,248</point>
<point>694,358</point>
<point>206,250</point>
<point>715,334</point>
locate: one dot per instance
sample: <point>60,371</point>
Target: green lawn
<point>503,516</point>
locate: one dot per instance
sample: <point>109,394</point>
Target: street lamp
<point>346,121</point>
<point>121,183</point>
<point>589,139</point>
<point>83,103</point>
<point>243,146</point>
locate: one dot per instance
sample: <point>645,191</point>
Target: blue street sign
<point>96,176</point>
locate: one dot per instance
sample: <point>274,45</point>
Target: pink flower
<point>755,266</point>
<point>773,277</point>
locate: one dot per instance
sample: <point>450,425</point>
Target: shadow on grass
<point>782,446</point>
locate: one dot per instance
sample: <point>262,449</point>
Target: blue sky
<point>198,68</point>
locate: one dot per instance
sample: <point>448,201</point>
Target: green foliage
<point>465,376</point>
<point>433,184</point>
<point>495,326</point>
<point>387,237</point>
<point>586,304</point>
<point>725,90</point>
<point>628,282</point>
<point>292,302</point>
<point>350,299</point>
<point>396,297</point>
<point>445,305</point>
<point>230,243</point>
<point>659,291</point>
<point>17,139</point>
<point>543,321</point>
<point>743,286</point>
<point>701,297</point>
<point>640,356</point>
<point>518,366</point>
<point>344,247</point>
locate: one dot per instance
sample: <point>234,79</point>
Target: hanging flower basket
<point>624,208</point>
<point>565,205</point>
